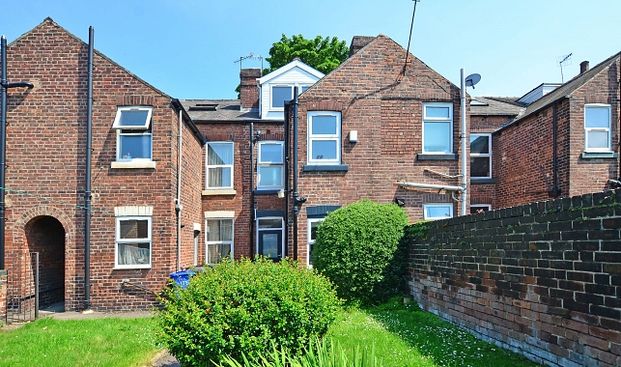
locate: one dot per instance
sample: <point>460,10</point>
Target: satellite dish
<point>472,80</point>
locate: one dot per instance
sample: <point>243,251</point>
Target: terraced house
<point>174,184</point>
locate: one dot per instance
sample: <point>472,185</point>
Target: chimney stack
<point>248,88</point>
<point>358,42</point>
<point>584,67</point>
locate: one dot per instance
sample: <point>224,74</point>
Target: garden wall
<point>3,281</point>
<point>542,279</point>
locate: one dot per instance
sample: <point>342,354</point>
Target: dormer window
<point>280,95</point>
<point>134,138</point>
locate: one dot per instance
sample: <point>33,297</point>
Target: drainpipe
<point>178,206</point>
<point>3,91</point>
<point>297,201</point>
<point>464,147</point>
<point>286,174</point>
<point>556,190</point>
<point>253,212</point>
<point>87,191</point>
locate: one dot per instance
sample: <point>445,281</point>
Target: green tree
<point>322,53</point>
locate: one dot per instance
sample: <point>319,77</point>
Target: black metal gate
<point>22,300</point>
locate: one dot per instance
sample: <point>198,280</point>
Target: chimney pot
<point>248,89</point>
<point>584,67</point>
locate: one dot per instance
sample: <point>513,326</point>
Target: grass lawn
<point>403,337</point>
<point>399,336</point>
<point>101,342</point>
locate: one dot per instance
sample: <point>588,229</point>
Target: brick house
<point>244,179</point>
<point>558,140</point>
<point>379,129</point>
<point>135,166</point>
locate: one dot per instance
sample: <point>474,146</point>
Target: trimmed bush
<point>356,247</point>
<point>246,308</point>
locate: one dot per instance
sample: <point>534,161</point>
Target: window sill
<point>436,157</point>
<point>213,192</point>
<point>482,181</point>
<point>598,155</point>
<point>267,191</point>
<point>133,164</point>
<point>325,168</point>
<point>137,267</point>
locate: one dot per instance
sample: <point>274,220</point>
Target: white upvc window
<point>219,165</point>
<point>480,155</point>
<point>313,224</point>
<point>324,137</point>
<point>437,128</point>
<point>133,243</point>
<point>597,132</point>
<point>478,208</point>
<point>282,93</point>
<point>218,239</point>
<point>270,165</point>
<point>437,211</point>
<point>270,237</point>
<point>134,138</point>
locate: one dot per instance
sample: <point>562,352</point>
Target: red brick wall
<point>241,203</point>
<point>45,157</point>
<point>523,158</point>
<point>388,117</point>
<point>191,186</point>
<point>543,279</point>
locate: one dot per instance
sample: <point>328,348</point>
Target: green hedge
<point>358,248</point>
<point>246,308</point>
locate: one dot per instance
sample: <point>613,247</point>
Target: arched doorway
<point>46,236</point>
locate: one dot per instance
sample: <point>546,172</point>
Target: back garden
<point>348,311</point>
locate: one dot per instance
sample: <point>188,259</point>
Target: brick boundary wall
<point>543,279</point>
<point>3,286</point>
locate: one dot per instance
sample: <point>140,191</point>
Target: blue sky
<point>187,47</point>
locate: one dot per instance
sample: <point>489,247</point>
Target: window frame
<point>482,155</point>
<point>261,163</point>
<point>121,109</point>
<point>220,242</point>
<point>279,85</point>
<point>323,137</point>
<point>282,236</point>
<point>118,240</point>
<point>437,205</point>
<point>310,242</point>
<point>486,206</point>
<point>208,166</point>
<point>438,120</point>
<point>120,133</point>
<point>608,149</point>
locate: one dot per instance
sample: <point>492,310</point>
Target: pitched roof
<point>566,89</point>
<point>220,110</point>
<point>51,21</point>
<point>499,106</point>
<point>296,63</point>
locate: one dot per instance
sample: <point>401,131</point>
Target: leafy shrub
<point>320,354</point>
<point>246,308</point>
<point>356,248</point>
